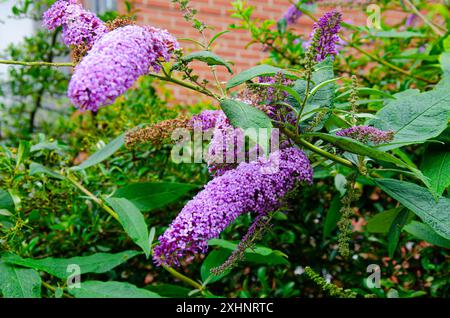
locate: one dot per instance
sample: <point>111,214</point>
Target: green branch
<point>160,77</point>
<point>93,197</point>
<point>435,28</point>
<point>186,85</point>
<point>53,289</point>
<point>183,278</point>
<point>386,63</point>
<point>317,150</point>
<point>11,62</point>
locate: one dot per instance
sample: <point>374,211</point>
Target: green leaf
<point>98,289</point>
<point>214,259</point>
<point>132,221</point>
<point>444,59</point>
<point>436,166</point>
<point>23,152</point>
<point>403,217</point>
<point>359,148</point>
<point>381,222</point>
<point>282,25</point>
<point>207,57</point>
<point>19,282</point>
<point>151,236</point>
<point>419,200</point>
<point>46,145</point>
<point>6,201</point>
<point>245,116</point>
<point>4,212</point>
<point>340,183</point>
<point>215,37</point>
<point>333,216</point>
<point>59,292</point>
<point>323,80</point>
<point>259,254</point>
<point>170,291</point>
<point>148,196</point>
<point>37,168</point>
<point>424,232</point>
<point>96,263</point>
<point>414,118</point>
<point>247,75</point>
<point>102,154</point>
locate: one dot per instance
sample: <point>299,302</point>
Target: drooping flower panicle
<point>248,188</point>
<point>79,26</point>
<point>115,62</point>
<point>367,134</point>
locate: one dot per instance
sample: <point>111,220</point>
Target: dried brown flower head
<point>157,134</point>
<point>119,22</point>
<point>80,51</point>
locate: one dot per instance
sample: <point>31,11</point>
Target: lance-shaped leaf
<point>424,232</point>
<point>98,289</point>
<point>207,57</point>
<point>6,201</point>
<point>415,118</point>
<point>16,282</point>
<point>148,196</point>
<point>102,154</point>
<point>244,116</point>
<point>60,267</point>
<point>38,169</point>
<point>260,70</point>
<point>435,213</point>
<point>132,221</point>
<point>359,148</point>
<point>436,166</point>
<point>321,90</point>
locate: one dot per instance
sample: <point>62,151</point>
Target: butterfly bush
<point>248,188</point>
<point>366,134</point>
<point>79,26</point>
<point>115,62</point>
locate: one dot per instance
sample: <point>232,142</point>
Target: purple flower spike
<point>115,62</point>
<point>248,188</point>
<point>292,14</point>
<point>329,25</point>
<point>79,26</point>
<point>366,133</point>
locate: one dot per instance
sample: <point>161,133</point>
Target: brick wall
<point>216,13</point>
